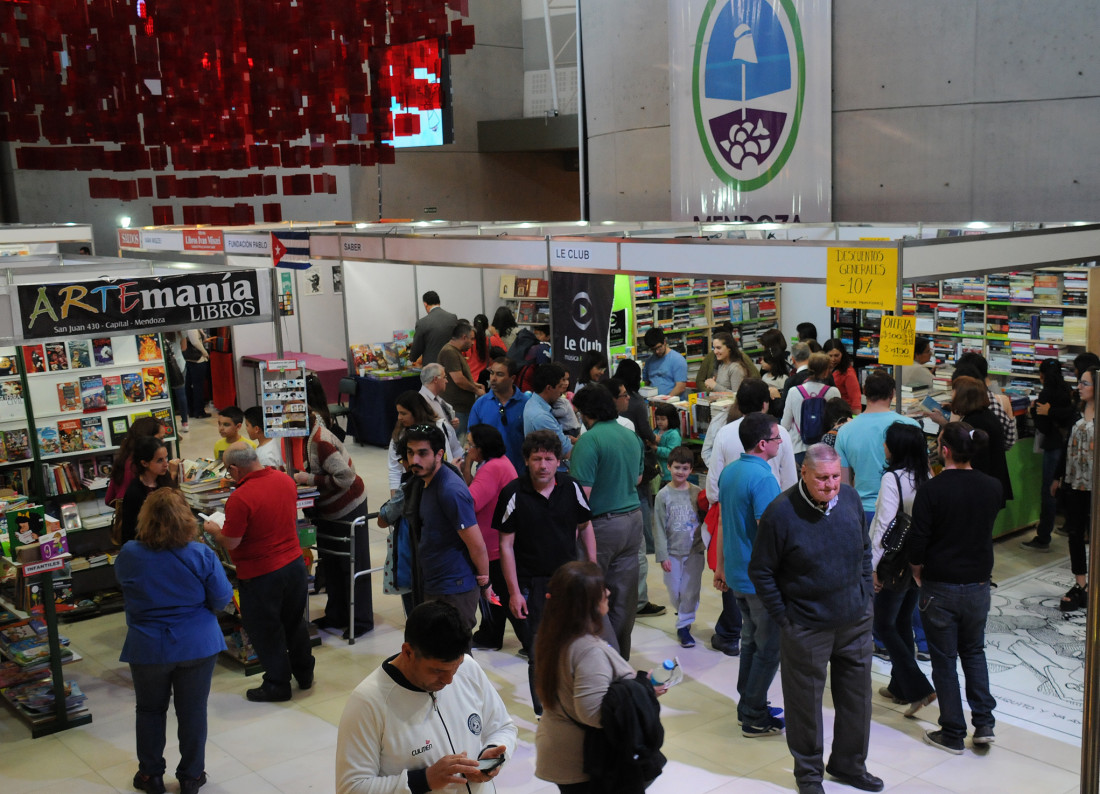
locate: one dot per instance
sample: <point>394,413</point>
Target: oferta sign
<point>751,128</point>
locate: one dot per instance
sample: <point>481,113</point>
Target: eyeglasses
<point>423,428</point>
<point>774,438</point>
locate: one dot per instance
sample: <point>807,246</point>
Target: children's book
<point>48,442</point>
<point>54,543</point>
<point>156,385</point>
<point>57,358</point>
<point>92,395</point>
<point>132,387</point>
<point>34,358</point>
<point>112,385</point>
<point>148,346</point>
<point>11,400</point>
<point>69,435</point>
<point>68,395</point>
<point>103,352</point>
<point>26,526</point>
<point>17,444</point>
<point>80,354</point>
<point>105,464</point>
<point>92,432</point>
<point>164,416</point>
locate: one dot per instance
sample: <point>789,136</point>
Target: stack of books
<point>35,699</point>
<point>25,643</point>
<point>1047,289</point>
<point>948,318</point>
<point>1075,287</point>
<point>1021,288</point>
<point>997,288</point>
<point>970,288</point>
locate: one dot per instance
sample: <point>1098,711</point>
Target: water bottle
<point>663,674</point>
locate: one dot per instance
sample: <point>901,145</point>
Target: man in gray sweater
<point>811,566</point>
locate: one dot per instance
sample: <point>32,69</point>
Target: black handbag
<point>893,569</point>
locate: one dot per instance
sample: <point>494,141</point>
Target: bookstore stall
<point>83,356</point>
<point>1015,294</point>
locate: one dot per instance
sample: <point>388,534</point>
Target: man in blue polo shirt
<point>502,408</point>
<point>454,565</point>
<point>551,381</point>
<point>745,489</point>
<point>665,369</point>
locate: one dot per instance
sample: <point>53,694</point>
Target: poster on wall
<point>580,315</point>
<point>313,281</point>
<point>286,294</point>
<point>750,104</point>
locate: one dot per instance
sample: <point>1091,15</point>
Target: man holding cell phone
<point>428,719</point>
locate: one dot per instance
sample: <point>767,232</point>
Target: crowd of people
<point>522,498</point>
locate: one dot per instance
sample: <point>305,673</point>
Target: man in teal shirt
<point>607,462</point>
<point>745,489</point>
<point>861,442</point>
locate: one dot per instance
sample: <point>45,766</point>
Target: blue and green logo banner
<point>750,84</point>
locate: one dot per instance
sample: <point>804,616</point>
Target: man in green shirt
<point>607,462</point>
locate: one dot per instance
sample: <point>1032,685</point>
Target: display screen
<point>415,80</point>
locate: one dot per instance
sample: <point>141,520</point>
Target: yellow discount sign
<point>897,339</point>
<point>862,278</point>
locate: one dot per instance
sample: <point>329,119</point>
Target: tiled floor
<point>259,748</point>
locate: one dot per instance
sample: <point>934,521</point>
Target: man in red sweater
<point>261,536</point>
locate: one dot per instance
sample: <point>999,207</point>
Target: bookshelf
<point>528,298</point>
<point>35,687</point>
<point>689,308</point>
<point>1014,319</point>
<point>64,408</point>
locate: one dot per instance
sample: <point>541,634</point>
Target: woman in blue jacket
<point>172,585</point>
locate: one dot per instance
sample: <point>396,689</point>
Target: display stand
<point>62,719</point>
<point>374,407</point>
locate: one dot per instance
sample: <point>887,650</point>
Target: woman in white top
<point>814,386</point>
<point>729,371</point>
<point>907,469</point>
<point>412,410</point>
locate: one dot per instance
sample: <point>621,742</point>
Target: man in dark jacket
<point>811,565</point>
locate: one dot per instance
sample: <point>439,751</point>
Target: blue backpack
<point>811,425</point>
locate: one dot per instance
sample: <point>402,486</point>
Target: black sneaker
<point>937,739</point>
<point>1036,545</point>
<point>984,735</point>
<point>684,635</point>
<point>651,610</point>
<point>772,726</point>
<point>880,652</point>
<point>773,711</point>
<point>728,647</point>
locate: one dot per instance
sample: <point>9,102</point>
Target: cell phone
<point>489,764</point>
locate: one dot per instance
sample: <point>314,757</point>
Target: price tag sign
<point>897,340</point>
<point>862,278</point>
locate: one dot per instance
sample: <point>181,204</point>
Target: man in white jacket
<point>424,719</point>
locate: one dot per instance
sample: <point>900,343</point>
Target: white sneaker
<point>184,428</point>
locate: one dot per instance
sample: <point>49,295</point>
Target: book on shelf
<point>148,347</point>
<point>57,357</point>
<point>8,366</point>
<point>91,430</point>
<point>11,401</point>
<point>69,436</point>
<point>132,387</point>
<point>34,359</point>
<point>156,384</point>
<point>17,444</point>
<point>92,395</point>
<point>80,354</point>
<point>112,386</point>
<point>68,396</point>
<point>48,442</point>
<point>102,352</point>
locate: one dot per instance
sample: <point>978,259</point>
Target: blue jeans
<point>179,401</point>
<point>728,627</point>
<point>1048,504</point>
<point>893,622</point>
<point>196,375</point>
<point>954,623</point>
<point>759,659</point>
<point>188,683</point>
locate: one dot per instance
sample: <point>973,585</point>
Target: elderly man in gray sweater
<point>811,565</point>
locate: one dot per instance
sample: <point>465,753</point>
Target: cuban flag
<point>290,249</point>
